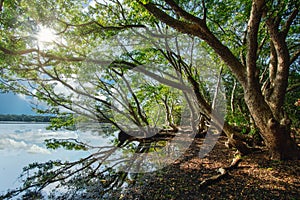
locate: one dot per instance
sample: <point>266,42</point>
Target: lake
<point>23,143</point>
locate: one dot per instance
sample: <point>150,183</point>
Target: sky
<point>14,104</point>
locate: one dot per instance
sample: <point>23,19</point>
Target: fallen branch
<point>223,173</point>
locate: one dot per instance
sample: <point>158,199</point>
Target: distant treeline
<point>24,118</point>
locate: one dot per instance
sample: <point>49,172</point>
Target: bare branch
<point>289,21</point>
<point>232,99</point>
<point>261,45</point>
<point>295,56</point>
<point>20,52</point>
<point>189,17</point>
<point>293,87</point>
<point>252,32</point>
<point>204,10</point>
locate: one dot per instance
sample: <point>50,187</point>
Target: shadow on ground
<point>256,177</point>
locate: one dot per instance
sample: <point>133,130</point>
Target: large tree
<point>256,29</point>
<point>255,40</point>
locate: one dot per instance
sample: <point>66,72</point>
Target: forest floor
<point>256,177</point>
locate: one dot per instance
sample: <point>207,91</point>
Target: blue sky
<point>13,104</point>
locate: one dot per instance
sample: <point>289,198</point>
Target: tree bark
<point>275,134</point>
<point>1,5</point>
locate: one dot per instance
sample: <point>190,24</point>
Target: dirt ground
<point>256,177</point>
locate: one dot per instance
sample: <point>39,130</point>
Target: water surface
<point>23,143</point>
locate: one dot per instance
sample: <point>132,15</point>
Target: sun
<point>45,37</point>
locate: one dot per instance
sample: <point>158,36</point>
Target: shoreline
<point>22,122</point>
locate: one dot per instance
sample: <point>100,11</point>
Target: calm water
<point>23,143</point>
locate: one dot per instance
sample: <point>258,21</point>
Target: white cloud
<point>31,140</point>
<point>23,97</point>
<point>40,136</point>
<point>13,145</point>
<point>34,149</point>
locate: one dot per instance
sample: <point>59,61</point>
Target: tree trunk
<point>169,115</point>
<point>274,132</point>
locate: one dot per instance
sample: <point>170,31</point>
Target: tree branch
<point>293,87</point>
<point>200,30</point>
<point>120,27</point>
<point>283,63</point>
<point>223,172</point>
<point>252,33</point>
<point>273,63</point>
<point>189,17</point>
<point>1,5</point>
<point>289,21</point>
<point>295,56</point>
<point>41,53</point>
<point>204,11</point>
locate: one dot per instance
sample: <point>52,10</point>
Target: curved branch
<point>200,30</point>
<point>283,65</point>
<point>289,22</point>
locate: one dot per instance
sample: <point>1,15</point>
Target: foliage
<point>67,144</point>
<point>292,97</point>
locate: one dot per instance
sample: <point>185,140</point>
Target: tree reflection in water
<point>100,175</point>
